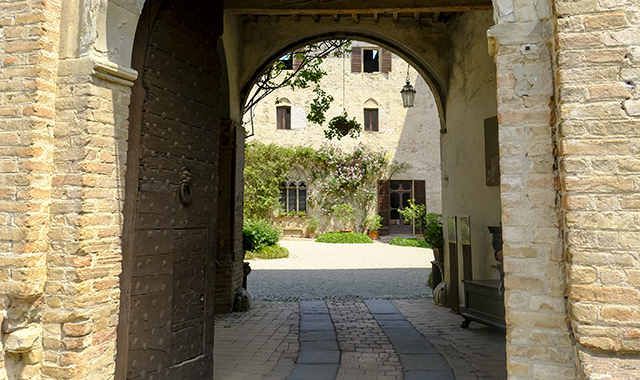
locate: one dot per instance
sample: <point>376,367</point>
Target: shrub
<point>275,251</point>
<point>433,234</point>
<point>409,242</point>
<point>312,224</point>
<point>374,223</point>
<point>344,238</point>
<point>258,233</point>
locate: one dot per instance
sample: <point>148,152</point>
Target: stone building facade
<point>120,222</point>
<point>410,135</point>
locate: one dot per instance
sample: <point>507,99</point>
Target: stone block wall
<point>539,339</point>
<point>598,78</point>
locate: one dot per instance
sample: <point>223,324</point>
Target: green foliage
<point>312,224</point>
<point>308,72</point>
<point>257,234</point>
<point>275,251</point>
<point>415,214</point>
<point>340,126</point>
<point>433,234</point>
<point>344,238</point>
<point>373,223</point>
<point>411,242</point>
<point>344,213</point>
<point>349,177</point>
<point>319,106</point>
<point>266,167</point>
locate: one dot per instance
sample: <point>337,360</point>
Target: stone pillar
<point>28,56</point>
<point>230,255</point>
<point>82,292</point>
<point>598,78</point>
<point>539,341</point>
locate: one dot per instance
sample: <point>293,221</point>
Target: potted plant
<point>340,126</point>
<point>433,234</point>
<point>415,214</point>
<point>312,226</point>
<point>373,225</point>
<point>344,212</point>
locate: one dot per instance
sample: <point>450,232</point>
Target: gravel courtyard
<point>321,271</point>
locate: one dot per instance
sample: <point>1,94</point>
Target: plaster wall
<point>471,99</point>
<point>411,135</point>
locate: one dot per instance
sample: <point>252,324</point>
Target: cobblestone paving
<point>263,342</point>
<point>475,353</point>
<point>367,353</point>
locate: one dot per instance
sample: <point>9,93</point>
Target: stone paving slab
<point>319,345</point>
<point>314,372</point>
<point>264,343</point>
<point>318,357</point>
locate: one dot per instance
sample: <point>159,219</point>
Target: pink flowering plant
<point>347,180</point>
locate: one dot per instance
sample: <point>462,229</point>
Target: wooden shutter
<point>384,208</point>
<point>385,56</point>
<point>356,59</point>
<point>420,192</point>
<point>297,61</point>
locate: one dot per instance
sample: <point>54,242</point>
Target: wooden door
<point>166,316</point>
<point>400,191</point>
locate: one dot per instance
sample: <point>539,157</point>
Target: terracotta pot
<point>345,230</point>
<point>373,235</point>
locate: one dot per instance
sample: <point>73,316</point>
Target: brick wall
<point>598,73</point>
<point>539,341</point>
<point>28,65</point>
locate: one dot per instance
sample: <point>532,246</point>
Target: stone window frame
<point>295,181</point>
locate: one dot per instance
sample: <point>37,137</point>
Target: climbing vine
<point>349,178</point>
<point>266,167</point>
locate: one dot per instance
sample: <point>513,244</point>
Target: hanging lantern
<point>408,92</point>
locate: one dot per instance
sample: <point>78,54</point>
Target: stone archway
<point>559,105</point>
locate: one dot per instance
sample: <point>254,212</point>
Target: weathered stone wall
<point>471,100</point>
<point>411,135</point>
<point>598,74</point>
<point>539,340</point>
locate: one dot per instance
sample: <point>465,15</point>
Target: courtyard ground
<point>314,318</point>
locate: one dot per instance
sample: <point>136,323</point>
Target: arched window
<point>293,196</point>
<point>371,116</point>
<point>293,192</point>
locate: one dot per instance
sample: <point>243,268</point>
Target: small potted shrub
<point>312,227</point>
<point>340,126</point>
<point>433,234</point>
<point>373,225</point>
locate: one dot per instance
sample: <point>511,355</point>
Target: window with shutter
<point>371,60</point>
<point>283,115</point>
<point>297,59</point>
<point>356,59</point>
<point>385,65</point>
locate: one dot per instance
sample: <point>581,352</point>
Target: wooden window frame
<point>283,118</point>
<point>368,125</point>
<point>377,61</point>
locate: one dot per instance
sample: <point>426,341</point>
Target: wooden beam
<point>354,16</point>
<point>336,18</point>
<point>436,16</point>
<point>347,7</point>
<point>395,17</point>
<point>252,17</point>
<point>296,17</point>
<point>274,17</point>
<point>416,16</point>
<point>316,18</point>
<point>376,16</point>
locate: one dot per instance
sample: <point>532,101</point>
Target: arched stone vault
<point>426,48</point>
<point>568,134</point>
